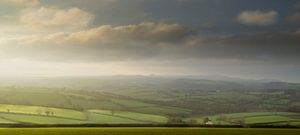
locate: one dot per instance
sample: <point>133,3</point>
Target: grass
<point>36,115</point>
<point>35,119</point>
<point>255,114</point>
<point>109,119</point>
<point>162,110</point>
<point>38,110</point>
<point>77,100</point>
<point>87,104</point>
<point>34,97</point>
<point>266,119</point>
<point>132,115</point>
<point>5,121</point>
<point>130,103</point>
<point>278,118</point>
<point>146,131</point>
<point>29,105</point>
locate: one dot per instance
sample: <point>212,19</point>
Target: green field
<point>265,118</point>
<point>146,131</point>
<point>132,105</point>
<point>22,114</point>
<point>134,116</point>
<point>38,110</point>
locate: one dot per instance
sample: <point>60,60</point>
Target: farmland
<point>259,118</point>
<point>146,100</point>
<point>21,114</point>
<point>39,115</point>
<point>102,108</point>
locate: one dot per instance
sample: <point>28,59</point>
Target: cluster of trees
<point>47,112</point>
<point>235,121</point>
<point>178,120</point>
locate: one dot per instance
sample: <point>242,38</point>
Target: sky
<point>240,38</point>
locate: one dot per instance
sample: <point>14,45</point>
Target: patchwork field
<point>27,105</point>
<point>258,118</point>
<point>21,114</point>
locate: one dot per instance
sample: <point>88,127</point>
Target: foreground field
<point>146,131</point>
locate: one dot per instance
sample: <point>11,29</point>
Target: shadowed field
<point>147,131</point>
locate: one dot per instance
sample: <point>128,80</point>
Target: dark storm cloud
<point>294,18</point>
<point>275,47</point>
<point>123,43</point>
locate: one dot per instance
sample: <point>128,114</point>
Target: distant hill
<point>157,95</point>
<point>149,82</point>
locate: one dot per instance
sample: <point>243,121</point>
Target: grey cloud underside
<point>103,43</point>
<point>158,41</point>
<point>267,47</point>
<point>257,46</point>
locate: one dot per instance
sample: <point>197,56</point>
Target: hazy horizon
<point>182,76</point>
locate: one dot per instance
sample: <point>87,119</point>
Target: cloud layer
<point>294,18</point>
<point>257,17</point>
<point>101,43</point>
<point>170,36</point>
<point>23,2</point>
<point>51,17</point>
<point>66,34</point>
<point>158,41</point>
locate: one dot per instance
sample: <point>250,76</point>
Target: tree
<point>206,120</point>
<point>47,113</point>
<point>112,112</point>
<point>175,120</point>
<point>241,121</point>
<point>193,121</point>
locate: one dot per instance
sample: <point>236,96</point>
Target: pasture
<point>60,106</point>
<point>24,114</point>
<point>258,118</point>
<point>21,114</point>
